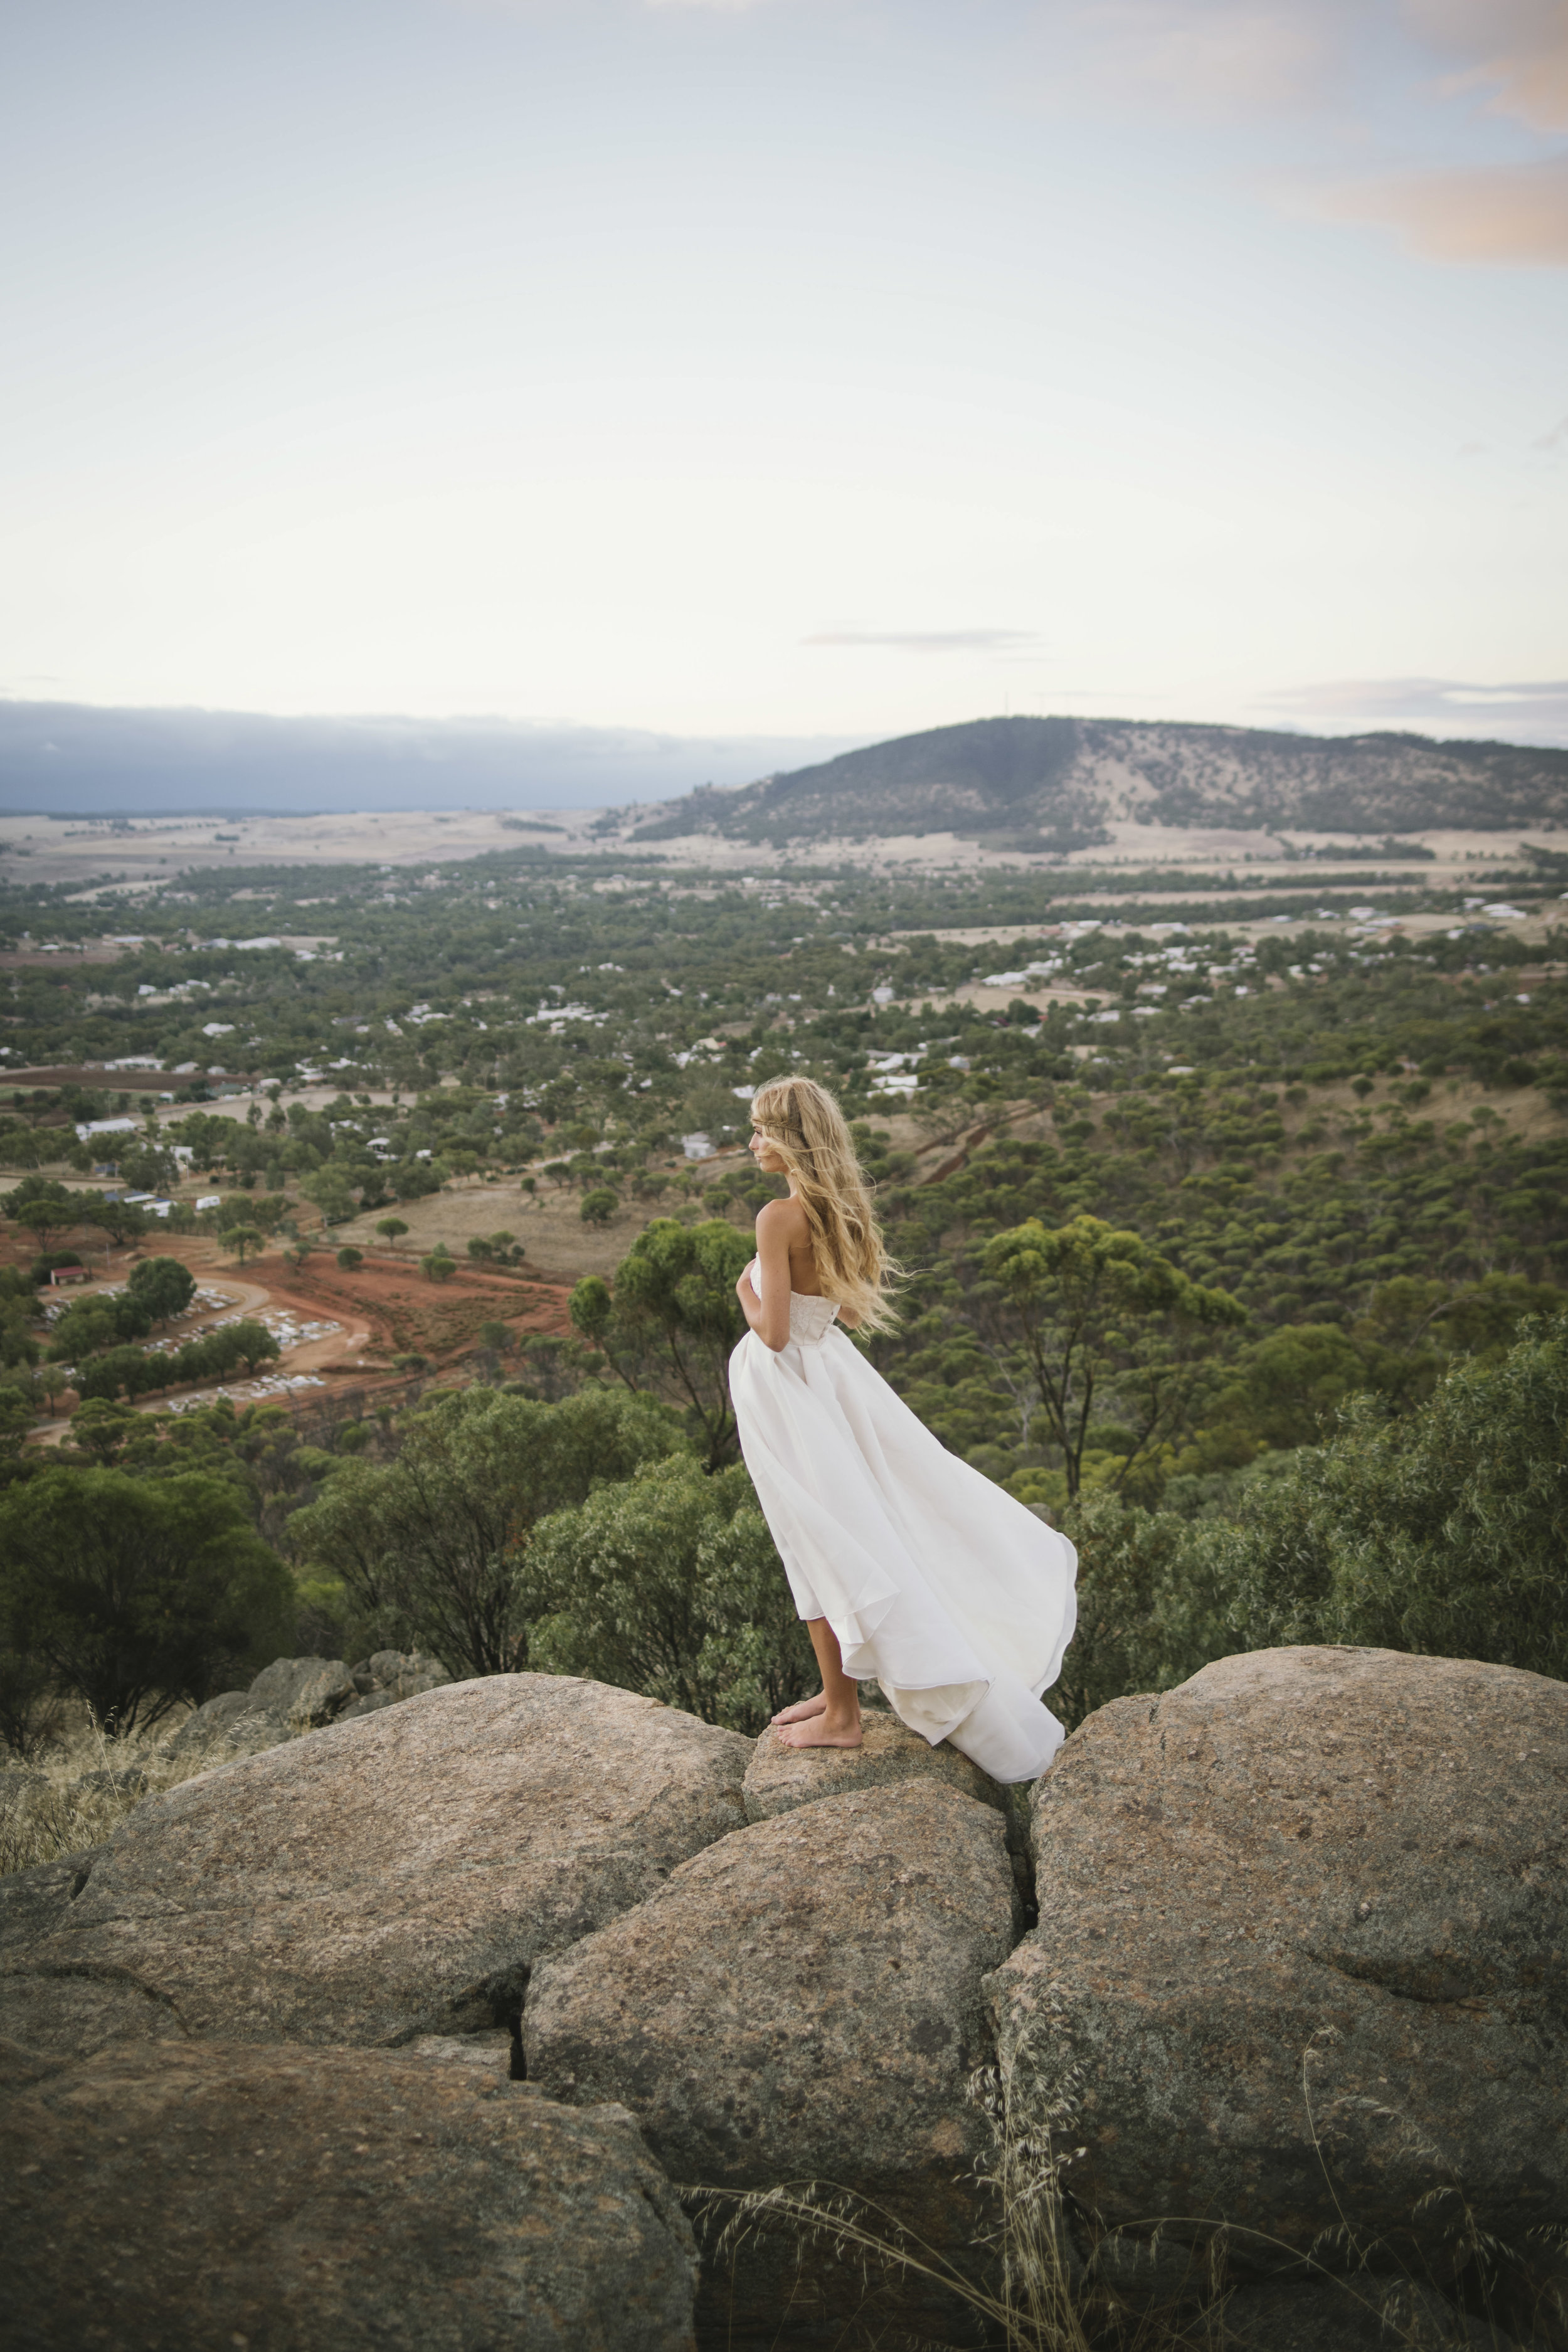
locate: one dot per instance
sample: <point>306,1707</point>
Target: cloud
<point>1224,58</point>
<point>929,641</point>
<point>1535,709</point>
<point>1515,213</point>
<point>1519,48</point>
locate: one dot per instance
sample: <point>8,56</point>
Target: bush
<point>437,1267</point>
<point>349,1258</point>
<point>429,1546</point>
<point>136,1593</point>
<point>599,1205</point>
<point>1444,1532</point>
<point>672,1586</point>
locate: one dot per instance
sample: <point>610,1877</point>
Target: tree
<point>1094,1316</point>
<point>332,1192</point>
<point>251,1343</point>
<point>670,1585</point>
<point>438,1266</point>
<point>673,1316</point>
<point>165,1287</point>
<point>90,1325</point>
<point>117,1371</point>
<point>239,1241</point>
<point>391,1229</point>
<point>103,1428</point>
<point>138,1593</point>
<point>430,1546</point>
<point>349,1258</point>
<point>599,1205</point>
<point>1443,1530</point>
<point>44,1219</point>
<point>117,1219</point>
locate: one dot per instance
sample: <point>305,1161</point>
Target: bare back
<point>785,1222</point>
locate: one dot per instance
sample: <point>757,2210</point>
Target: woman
<point>907,1565</point>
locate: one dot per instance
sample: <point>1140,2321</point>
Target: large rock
<point>380,1878</point>
<point>778,1778</point>
<point>402,1673</point>
<point>306,1692</point>
<point>226,1726</point>
<point>1303,1947</point>
<point>193,2195</point>
<point>802,2002</point>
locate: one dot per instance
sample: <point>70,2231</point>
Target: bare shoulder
<point>784,1218</point>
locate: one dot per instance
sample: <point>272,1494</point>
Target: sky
<point>806,370</point>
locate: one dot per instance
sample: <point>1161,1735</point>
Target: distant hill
<point>1053,783</point>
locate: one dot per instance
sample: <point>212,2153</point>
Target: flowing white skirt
<point>939,1586</point>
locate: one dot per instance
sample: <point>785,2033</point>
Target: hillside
<point>1054,784</point>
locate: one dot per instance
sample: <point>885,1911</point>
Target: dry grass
<point>81,1788</point>
<point>1027,2285</point>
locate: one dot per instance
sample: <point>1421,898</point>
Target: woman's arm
<point>769,1317</point>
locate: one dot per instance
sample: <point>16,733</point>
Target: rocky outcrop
<point>1303,1947</point>
<point>293,1696</point>
<point>802,2002</point>
<point>379,1878</point>
<point>190,2195</point>
<point>778,1778</point>
<point>389,1675</point>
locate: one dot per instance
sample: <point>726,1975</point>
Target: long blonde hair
<point>809,1132</point>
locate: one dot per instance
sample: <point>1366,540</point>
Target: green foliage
<point>136,1593</point>
<point>240,1241</point>
<point>90,1325</point>
<point>1092,1317</point>
<point>1443,1531</point>
<point>429,1546</point>
<point>163,1286</point>
<point>438,1266</point>
<point>599,1205</point>
<point>349,1258</point>
<point>332,1193</point>
<point>391,1229</point>
<point>670,1585</point>
<point>673,1318</point>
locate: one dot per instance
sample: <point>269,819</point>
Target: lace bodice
<point>810,1319</point>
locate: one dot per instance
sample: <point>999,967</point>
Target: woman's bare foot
<point>805,1708</point>
<point>822,1730</point>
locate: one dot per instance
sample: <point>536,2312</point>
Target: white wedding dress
<point>939,1586</point>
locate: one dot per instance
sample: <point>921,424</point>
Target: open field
<point>93,856</point>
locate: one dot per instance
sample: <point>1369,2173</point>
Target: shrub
<point>670,1585</point>
<point>429,1546</point>
<point>1444,1532</point>
<point>138,1593</point>
<point>599,1205</point>
<point>349,1258</point>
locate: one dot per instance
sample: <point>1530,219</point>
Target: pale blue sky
<point>804,367</point>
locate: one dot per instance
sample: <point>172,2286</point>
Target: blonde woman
<point>908,1566</point>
